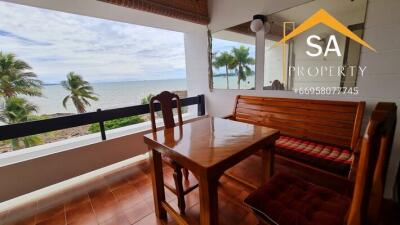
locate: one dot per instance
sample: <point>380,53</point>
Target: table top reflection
<point>210,141</point>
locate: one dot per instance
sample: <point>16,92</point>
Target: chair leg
<point>179,189</point>
<point>186,173</point>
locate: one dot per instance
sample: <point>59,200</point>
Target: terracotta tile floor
<point>130,201</point>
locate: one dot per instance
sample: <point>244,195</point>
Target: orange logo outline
<point>321,16</point>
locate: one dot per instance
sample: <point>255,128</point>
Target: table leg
<point>208,201</point>
<point>267,162</point>
<point>158,183</point>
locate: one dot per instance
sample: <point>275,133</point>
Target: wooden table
<point>207,147</point>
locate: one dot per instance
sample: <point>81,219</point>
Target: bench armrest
<point>356,158</point>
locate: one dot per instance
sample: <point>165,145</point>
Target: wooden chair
<point>396,188</point>
<point>379,180</point>
<point>165,99</point>
<point>287,199</point>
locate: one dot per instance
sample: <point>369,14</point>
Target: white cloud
<point>54,43</point>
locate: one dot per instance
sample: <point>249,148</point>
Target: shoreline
<point>116,82</point>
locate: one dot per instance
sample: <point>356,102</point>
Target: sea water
<point>110,95</point>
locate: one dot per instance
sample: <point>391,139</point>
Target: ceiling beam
<point>195,11</point>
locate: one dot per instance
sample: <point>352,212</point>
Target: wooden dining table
<point>207,147</point>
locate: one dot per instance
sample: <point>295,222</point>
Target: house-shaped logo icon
<point>322,16</point>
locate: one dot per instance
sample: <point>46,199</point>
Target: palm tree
<point>241,63</point>
<point>18,110</point>
<point>16,77</point>
<point>80,92</point>
<point>224,60</point>
<point>146,100</point>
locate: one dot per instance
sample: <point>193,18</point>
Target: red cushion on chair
<point>288,200</point>
<point>331,158</point>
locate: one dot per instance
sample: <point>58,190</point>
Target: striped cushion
<point>331,158</point>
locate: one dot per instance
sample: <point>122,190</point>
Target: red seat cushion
<point>330,158</point>
<point>288,200</point>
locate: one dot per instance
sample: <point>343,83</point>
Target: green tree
<point>241,63</point>
<point>112,124</point>
<point>18,110</point>
<point>16,77</point>
<point>80,92</point>
<point>225,59</point>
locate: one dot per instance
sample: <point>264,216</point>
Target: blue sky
<point>55,43</point>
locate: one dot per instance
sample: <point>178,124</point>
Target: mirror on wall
<point>233,58</point>
<point>318,57</point>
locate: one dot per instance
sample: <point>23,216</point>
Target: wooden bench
<point>278,201</point>
<point>317,136</point>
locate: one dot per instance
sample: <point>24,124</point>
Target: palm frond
<point>16,77</point>
<point>65,100</point>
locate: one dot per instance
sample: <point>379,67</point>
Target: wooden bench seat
<point>330,158</point>
<point>316,134</point>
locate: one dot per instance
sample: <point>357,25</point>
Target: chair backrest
<point>166,100</point>
<point>379,180</point>
<point>332,122</point>
<point>375,145</point>
<point>396,188</point>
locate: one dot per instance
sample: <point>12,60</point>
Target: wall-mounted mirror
<point>233,58</point>
<point>314,58</point>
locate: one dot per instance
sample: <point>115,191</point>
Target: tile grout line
<point>91,206</point>
<point>65,214</point>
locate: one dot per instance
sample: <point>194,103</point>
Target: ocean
<point>120,94</point>
<point>220,82</point>
<point>111,95</point>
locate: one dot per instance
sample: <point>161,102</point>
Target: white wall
<point>381,82</point>
<point>38,167</point>
<point>27,176</point>
<point>30,169</point>
<point>273,68</point>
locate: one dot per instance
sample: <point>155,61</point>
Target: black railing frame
<point>18,130</point>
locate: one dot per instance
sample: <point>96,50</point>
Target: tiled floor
<point>130,201</point>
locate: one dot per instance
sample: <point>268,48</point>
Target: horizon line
<point>101,82</point>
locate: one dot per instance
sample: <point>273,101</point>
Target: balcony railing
<point>100,116</point>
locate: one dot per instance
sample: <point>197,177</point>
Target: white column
<point>260,57</point>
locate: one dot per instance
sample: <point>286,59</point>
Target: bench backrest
<point>333,122</point>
